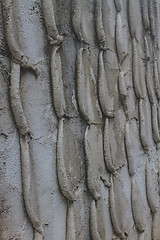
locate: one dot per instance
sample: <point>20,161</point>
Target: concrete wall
<point>79,119</point>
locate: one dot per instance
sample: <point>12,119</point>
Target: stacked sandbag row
<point>97,101</point>
<point>110,44</point>
<point>146,88</point>
<point>89,107</point>
<point>63,140</point>
<point>19,61</point>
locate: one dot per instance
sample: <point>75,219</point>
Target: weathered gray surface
<point>79,119</point>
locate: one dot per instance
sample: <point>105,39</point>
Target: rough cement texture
<point>79,119</point>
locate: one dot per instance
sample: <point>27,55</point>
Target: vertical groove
<point>99,24</point>
<point>76,18</point>
<point>94,222</point>
<point>128,145</point>
<point>70,223</point>
<point>135,69</point>
<point>106,101</point>
<point>57,84</point>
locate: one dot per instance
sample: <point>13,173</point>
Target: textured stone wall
<point>79,119</point>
